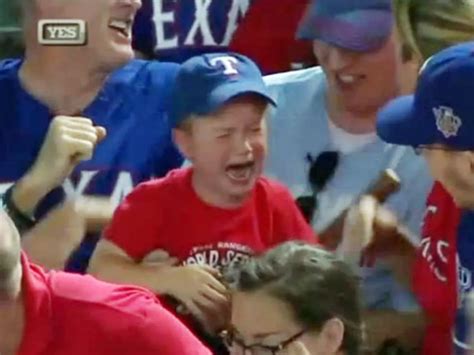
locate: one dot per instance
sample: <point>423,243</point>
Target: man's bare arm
<point>50,242</point>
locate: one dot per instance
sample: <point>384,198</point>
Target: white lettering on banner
<point>161,18</point>
<point>201,23</point>
<point>229,63</point>
<point>123,187</point>
<point>84,181</point>
<point>239,8</point>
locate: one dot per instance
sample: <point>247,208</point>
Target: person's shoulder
<point>174,177</point>
<point>168,184</point>
<point>98,301</point>
<point>9,67</point>
<point>126,317</point>
<point>150,66</point>
<point>441,216</point>
<point>440,198</point>
<point>145,74</point>
<point>301,90</point>
<point>294,78</point>
<point>272,189</point>
<point>159,70</point>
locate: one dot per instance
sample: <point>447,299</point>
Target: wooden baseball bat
<point>387,183</point>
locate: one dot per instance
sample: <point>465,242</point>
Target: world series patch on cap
<point>441,111</point>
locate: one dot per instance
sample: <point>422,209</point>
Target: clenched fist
<point>69,141</point>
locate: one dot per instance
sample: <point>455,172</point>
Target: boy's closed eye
<point>223,133</point>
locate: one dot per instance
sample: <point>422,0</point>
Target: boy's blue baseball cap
<point>206,82</point>
<point>358,25</point>
<point>442,109</point>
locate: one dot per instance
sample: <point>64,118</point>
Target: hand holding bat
<point>387,184</point>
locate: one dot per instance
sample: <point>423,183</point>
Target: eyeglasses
<point>237,347</point>
<point>321,171</point>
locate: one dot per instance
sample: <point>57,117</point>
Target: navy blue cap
<point>358,25</point>
<point>204,83</point>
<point>442,107</point>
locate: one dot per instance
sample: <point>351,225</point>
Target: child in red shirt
<point>220,210</point>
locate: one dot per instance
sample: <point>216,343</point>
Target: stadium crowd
<point>236,177</point>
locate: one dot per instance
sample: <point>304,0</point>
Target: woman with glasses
<point>292,297</point>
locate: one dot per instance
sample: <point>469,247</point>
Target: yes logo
<point>56,32</point>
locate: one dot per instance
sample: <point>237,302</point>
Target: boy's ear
<point>182,138</point>
<point>471,160</point>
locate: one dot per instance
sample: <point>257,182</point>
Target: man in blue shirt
<point>437,121</point>
<point>85,120</point>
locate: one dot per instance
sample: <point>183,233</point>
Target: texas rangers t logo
<point>229,63</point>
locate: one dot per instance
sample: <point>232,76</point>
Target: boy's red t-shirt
<point>434,274</point>
<point>167,214</point>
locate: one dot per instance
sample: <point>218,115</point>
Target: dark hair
<point>315,283</point>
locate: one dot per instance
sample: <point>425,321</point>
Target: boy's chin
<point>241,192</point>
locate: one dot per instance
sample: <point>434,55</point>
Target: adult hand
<point>69,141</point>
<point>372,231</point>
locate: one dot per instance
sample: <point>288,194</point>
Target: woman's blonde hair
<point>428,26</point>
